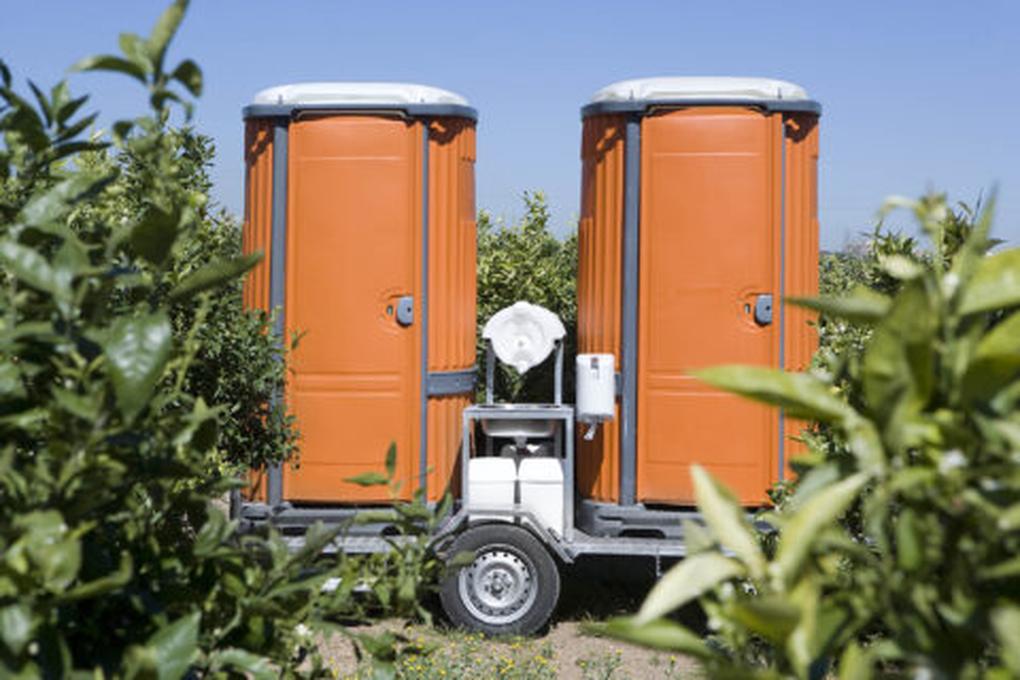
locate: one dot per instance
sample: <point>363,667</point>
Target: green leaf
<point>799,394</point>
<point>134,49</point>
<point>108,62</point>
<point>697,538</point>
<point>368,479</point>
<point>189,75</point>
<point>1007,569</point>
<point>10,381</point>
<point>251,665</point>
<point>900,266</point>
<point>154,234</point>
<point>68,109</point>
<point>1009,520</point>
<point>898,369</point>
<point>16,627</point>
<point>995,284</point>
<point>855,664</point>
<point>214,275</point>
<point>686,581</point>
<point>83,406</point>
<point>175,646</point>
<point>862,305</point>
<point>164,30</point>
<point>772,617</point>
<point>659,634</point>
<point>726,519</point>
<point>1006,622</point>
<point>909,549</point>
<point>44,104</point>
<point>136,350</point>
<point>391,461</point>
<point>996,360</point>
<point>30,267</point>
<point>110,582</point>
<point>802,528</point>
<point>816,481</point>
<point>53,552</point>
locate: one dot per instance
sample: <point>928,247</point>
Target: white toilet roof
<point>340,93</point>
<point>640,94</point>
<point>411,98</point>
<point>699,87</point>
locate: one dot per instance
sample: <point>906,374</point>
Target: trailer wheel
<point>511,588</point>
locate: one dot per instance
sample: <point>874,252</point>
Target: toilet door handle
<point>405,310</point>
<point>763,309</point>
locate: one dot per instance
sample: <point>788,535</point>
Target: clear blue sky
<point>916,95</point>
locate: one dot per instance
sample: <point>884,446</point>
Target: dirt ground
<point>592,591</point>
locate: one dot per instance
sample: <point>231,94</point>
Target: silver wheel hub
<point>499,586</point>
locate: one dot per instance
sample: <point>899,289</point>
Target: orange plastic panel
<point>710,216</point>
<point>256,234</point>
<point>452,284</point>
<point>599,287</point>
<point>353,249</point>
<point>801,253</point>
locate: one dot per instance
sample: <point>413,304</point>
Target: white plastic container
<point>596,387</point>
<point>491,484</point>
<point>541,481</point>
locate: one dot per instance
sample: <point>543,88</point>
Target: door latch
<point>405,310</point>
<point>763,309</point>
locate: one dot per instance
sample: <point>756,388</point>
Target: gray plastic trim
<point>447,383</point>
<point>409,110</point>
<point>278,272</point>
<point>423,455</point>
<point>782,289</point>
<point>629,321</point>
<point>644,107</point>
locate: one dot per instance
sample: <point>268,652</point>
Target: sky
<point>916,95</point>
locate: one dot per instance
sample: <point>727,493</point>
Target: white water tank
<point>541,481</point>
<point>596,387</point>
<point>491,484</point>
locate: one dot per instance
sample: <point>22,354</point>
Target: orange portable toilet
<point>698,217</point>
<point>361,197</point>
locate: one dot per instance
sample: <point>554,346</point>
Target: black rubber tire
<point>503,538</point>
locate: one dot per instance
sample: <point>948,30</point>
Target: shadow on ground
<point>598,588</point>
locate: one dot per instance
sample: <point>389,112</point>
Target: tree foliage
<point>527,262</point>
<point>926,426</point>
<point>122,372</point>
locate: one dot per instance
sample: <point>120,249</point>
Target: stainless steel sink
<point>516,426</point>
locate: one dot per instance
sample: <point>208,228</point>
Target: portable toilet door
<point>698,217</point>
<point>361,196</point>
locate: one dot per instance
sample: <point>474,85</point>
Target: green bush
<point>239,363</point>
<point>526,262</point>
<point>929,582</point>
<point>114,389</point>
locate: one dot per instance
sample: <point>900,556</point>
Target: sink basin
<point>516,427</point>
<point>499,427</point>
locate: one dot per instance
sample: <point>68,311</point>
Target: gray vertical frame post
<point>629,320</point>
<point>423,456</point>
<point>490,373</point>
<point>782,287</point>
<point>568,482</point>
<point>278,269</point>
<point>558,378</point>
